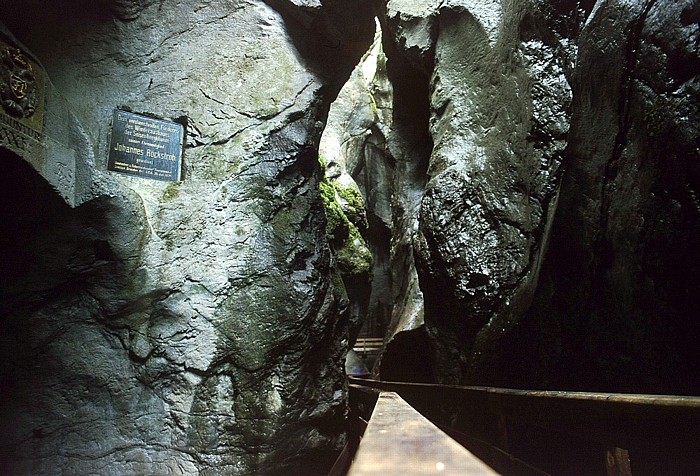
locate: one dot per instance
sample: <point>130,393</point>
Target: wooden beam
<point>562,432</point>
<point>400,441</point>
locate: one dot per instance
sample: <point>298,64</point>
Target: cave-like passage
<point>359,170</point>
<point>374,151</point>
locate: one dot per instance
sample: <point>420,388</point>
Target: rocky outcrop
<point>190,327</point>
<point>554,122</point>
<point>529,178</point>
<point>354,148</point>
<point>614,310</point>
<point>497,123</point>
<point>371,144</point>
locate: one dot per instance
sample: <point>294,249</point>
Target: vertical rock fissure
<point>407,355</point>
<point>634,38</point>
<point>200,326</point>
<point>352,151</point>
<point>377,143</point>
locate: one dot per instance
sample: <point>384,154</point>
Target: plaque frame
<point>146,147</point>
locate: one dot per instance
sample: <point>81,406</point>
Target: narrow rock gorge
<point>505,191</point>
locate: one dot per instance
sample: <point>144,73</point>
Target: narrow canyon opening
<point>375,150</point>
<point>506,195</point>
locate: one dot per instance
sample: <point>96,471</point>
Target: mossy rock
<point>171,192</point>
<point>350,249</point>
<point>323,163</point>
<point>337,227</point>
<point>338,284</point>
<point>353,205</point>
<point>354,257</point>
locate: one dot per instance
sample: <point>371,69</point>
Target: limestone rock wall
<point>191,327</point>
<point>374,144</point>
<point>494,116</point>
<point>615,306</point>
<point>350,147</point>
<point>530,181</point>
<point>353,146</point>
<point>557,215</point>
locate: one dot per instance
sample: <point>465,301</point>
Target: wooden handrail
<point>400,441</point>
<point>377,342</point>
<point>634,399</point>
<point>562,432</point>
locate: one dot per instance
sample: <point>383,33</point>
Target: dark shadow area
<point>29,205</point>
<point>25,18</point>
<point>407,358</point>
<point>330,40</point>
<point>60,270</point>
<point>379,313</point>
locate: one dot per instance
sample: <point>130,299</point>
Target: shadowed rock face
<point>555,122</point>
<point>615,306</point>
<point>494,76</point>
<point>184,328</point>
<point>532,201</point>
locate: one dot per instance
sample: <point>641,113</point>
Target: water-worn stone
<point>615,307</point>
<point>370,143</point>
<point>190,327</point>
<point>498,117</point>
<point>353,146</point>
<point>611,308</point>
<point>530,179</point>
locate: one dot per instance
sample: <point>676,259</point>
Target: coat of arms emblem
<point>17,83</point>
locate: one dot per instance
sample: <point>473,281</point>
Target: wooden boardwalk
<point>401,441</point>
<point>402,429</point>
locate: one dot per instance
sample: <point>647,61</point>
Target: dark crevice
<point>407,358</point>
<point>691,14</point>
<point>683,67</point>
<point>409,146</point>
<point>625,121</point>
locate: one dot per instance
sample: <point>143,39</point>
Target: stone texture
<point>484,97</point>
<point>353,146</point>
<point>184,328</point>
<point>615,305</point>
<point>498,101</point>
<point>606,306</point>
<point>530,178</point>
<point>51,138</point>
<point>370,144</point>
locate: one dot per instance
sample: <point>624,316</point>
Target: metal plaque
<point>145,147</point>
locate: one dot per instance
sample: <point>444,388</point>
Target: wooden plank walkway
<point>561,432</point>
<point>400,441</point>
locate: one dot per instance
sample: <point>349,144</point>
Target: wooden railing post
<point>617,462</point>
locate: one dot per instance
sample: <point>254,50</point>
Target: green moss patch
<point>337,227</point>
<point>350,249</point>
<point>171,192</point>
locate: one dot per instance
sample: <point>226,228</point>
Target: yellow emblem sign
<point>18,86</point>
<point>17,83</point>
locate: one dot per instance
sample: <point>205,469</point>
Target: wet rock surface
<point>191,327</point>
<point>565,123</point>
<point>529,177</point>
<point>614,306</point>
<point>497,121</point>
